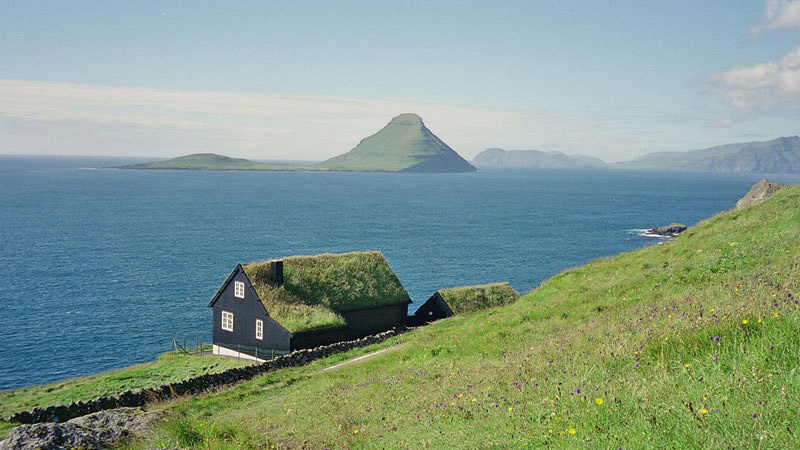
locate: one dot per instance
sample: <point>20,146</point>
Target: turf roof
<point>473,298</point>
<point>317,288</point>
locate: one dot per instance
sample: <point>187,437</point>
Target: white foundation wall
<point>223,351</point>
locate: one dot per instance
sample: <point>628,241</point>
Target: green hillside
<point>211,161</point>
<point>689,344</point>
<point>404,145</point>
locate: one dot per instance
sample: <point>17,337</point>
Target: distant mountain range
<point>405,144</point>
<point>497,157</point>
<point>780,155</point>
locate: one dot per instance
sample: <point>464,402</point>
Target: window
<point>227,321</point>
<point>238,289</point>
<point>259,329</point>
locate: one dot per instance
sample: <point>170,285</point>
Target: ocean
<point>100,269</point>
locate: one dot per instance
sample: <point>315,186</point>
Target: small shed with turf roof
<point>459,300</point>
<point>304,302</point>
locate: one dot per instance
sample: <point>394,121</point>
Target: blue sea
<point>100,269</point>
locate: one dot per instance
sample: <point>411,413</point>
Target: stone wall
<point>202,383</point>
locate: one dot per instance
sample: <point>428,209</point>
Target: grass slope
<point>689,344</point>
<point>316,288</point>
<point>167,369</point>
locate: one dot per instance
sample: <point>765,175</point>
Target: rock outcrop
<point>95,431</point>
<point>758,193</point>
<point>670,230</point>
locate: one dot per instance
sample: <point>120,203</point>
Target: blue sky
<point>308,80</point>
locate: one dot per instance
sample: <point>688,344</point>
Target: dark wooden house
<point>305,301</point>
<point>448,302</point>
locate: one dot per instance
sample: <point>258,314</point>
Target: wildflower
<point>686,366</point>
<point>755,415</point>
<point>744,322</point>
<point>355,431</point>
<point>776,314</point>
<point>572,431</point>
<point>510,409</point>
<point>703,411</point>
<point>598,400</point>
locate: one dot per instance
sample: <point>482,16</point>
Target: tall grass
<point>689,344</point>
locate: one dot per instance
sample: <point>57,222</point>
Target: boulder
<point>95,431</point>
<point>670,230</point>
<point>758,193</point>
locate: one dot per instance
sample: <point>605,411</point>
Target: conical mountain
<point>403,145</point>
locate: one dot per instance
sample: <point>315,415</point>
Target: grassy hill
<point>211,161</point>
<point>405,144</point>
<point>689,344</point>
<point>166,369</point>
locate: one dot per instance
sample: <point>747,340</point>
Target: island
<point>405,144</point>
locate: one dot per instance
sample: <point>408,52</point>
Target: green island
<point>316,288</point>
<point>688,344</point>
<point>405,144</point>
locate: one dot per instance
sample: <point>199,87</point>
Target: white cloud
<point>780,14</point>
<point>761,85</point>
<point>63,118</point>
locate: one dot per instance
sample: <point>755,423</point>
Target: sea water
<point>102,268</point>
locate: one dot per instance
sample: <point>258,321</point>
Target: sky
<point>303,80</point>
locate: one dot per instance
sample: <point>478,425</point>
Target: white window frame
<point>259,329</point>
<point>227,321</point>
<point>238,289</point>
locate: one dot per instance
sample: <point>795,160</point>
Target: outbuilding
<point>305,301</point>
<point>448,302</point>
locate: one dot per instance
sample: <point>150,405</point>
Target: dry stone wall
<point>196,385</point>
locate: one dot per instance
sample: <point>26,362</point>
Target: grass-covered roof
<point>473,298</point>
<point>316,288</point>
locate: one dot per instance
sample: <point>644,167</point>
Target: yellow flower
<point>703,411</point>
<point>686,366</point>
<point>571,431</point>
<point>669,316</point>
<point>712,310</point>
<point>744,322</point>
<point>598,400</point>
<point>474,399</point>
<point>355,431</point>
<point>759,320</point>
<point>510,409</point>
<point>776,314</point>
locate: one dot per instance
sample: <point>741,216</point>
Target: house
<point>448,302</point>
<point>304,302</point>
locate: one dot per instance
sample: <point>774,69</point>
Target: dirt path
<point>360,358</point>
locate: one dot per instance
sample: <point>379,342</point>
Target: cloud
<point>762,85</point>
<point>780,14</point>
<point>39,117</point>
